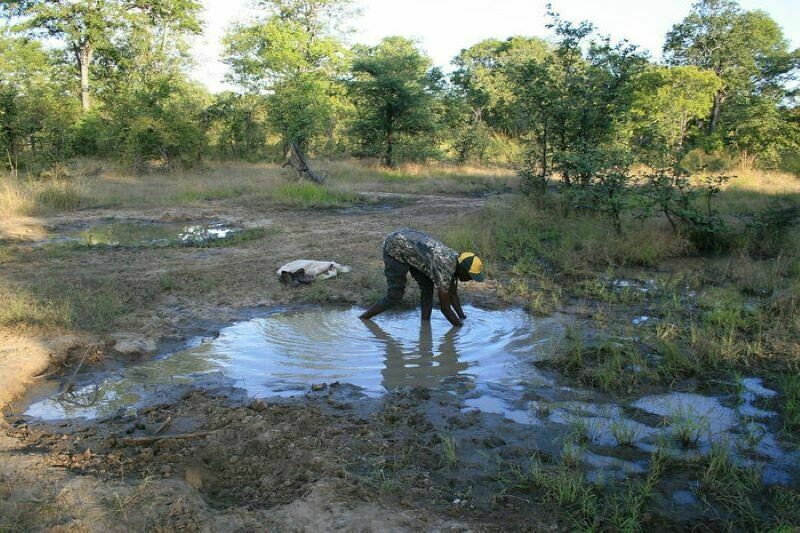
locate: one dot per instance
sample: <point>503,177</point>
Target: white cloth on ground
<point>316,269</point>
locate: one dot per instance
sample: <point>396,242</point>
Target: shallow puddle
<point>143,233</point>
<point>286,352</point>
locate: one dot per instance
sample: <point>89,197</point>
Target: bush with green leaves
<point>393,89</point>
<point>159,124</point>
<point>237,125</point>
<point>689,207</point>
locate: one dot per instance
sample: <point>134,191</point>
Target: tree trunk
<point>388,156</point>
<point>719,97</point>
<point>85,53</point>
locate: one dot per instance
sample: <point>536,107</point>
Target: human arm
<point>456,301</point>
<point>446,305</point>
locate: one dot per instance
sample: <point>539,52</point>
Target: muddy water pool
<point>285,353</point>
<point>489,364</point>
<point>138,233</point>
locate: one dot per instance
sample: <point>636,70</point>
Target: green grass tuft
<point>790,386</point>
<point>308,195</point>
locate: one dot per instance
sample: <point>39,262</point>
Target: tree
<point>293,56</point>
<point>746,49</point>
<point>392,88</point>
<point>571,103</point>
<point>35,119</point>
<point>88,25</point>
<point>160,121</point>
<point>761,130</point>
<point>482,74</point>
<point>238,124</point>
<point>666,101</point>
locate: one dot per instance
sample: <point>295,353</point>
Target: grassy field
<point>96,184</point>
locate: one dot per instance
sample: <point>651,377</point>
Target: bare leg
<point>426,301</point>
<point>376,309</point>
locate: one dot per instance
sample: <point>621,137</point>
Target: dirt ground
<point>333,460</point>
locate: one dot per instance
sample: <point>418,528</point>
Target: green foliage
<point>569,103</point>
<point>605,183</point>
<point>749,53</point>
<point>688,207</point>
<point>35,118</point>
<point>611,366</point>
<point>555,107</point>
<point>237,125</point>
<point>301,109</point>
<point>483,77</point>
<point>790,387</point>
<point>667,100</point>
<point>294,56</point>
<point>159,123</point>
<point>698,160</point>
<point>308,195</point>
<point>87,28</point>
<point>392,89</point>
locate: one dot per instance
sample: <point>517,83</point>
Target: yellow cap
<point>472,264</point>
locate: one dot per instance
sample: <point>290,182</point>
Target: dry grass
<point>100,184</point>
<point>220,181</point>
<point>32,197</point>
<point>418,178</point>
<point>752,191</point>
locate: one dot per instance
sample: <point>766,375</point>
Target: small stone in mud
<point>259,405</point>
<point>493,441</point>
<point>194,478</point>
<point>134,344</point>
<point>316,387</point>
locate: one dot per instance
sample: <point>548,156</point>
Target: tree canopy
<point>113,78</point>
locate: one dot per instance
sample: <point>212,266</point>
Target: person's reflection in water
<point>424,367</point>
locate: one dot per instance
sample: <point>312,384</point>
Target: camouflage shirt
<point>426,254</point>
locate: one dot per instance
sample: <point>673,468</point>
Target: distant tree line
<point>109,78</point>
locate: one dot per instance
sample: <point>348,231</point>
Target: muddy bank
<point>262,456</point>
<point>333,458</point>
<point>29,360</point>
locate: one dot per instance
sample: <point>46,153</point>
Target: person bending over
<point>433,265</point>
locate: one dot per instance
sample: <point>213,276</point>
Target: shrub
<point>699,160</point>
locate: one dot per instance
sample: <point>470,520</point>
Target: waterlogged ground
<point>140,233</point>
<point>486,369</point>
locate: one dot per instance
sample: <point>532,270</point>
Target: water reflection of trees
<point>426,366</point>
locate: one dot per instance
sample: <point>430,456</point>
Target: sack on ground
<point>318,270</point>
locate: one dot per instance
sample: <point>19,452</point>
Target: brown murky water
<point>286,352</point>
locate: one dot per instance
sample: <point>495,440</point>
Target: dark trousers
<point>396,277</point>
